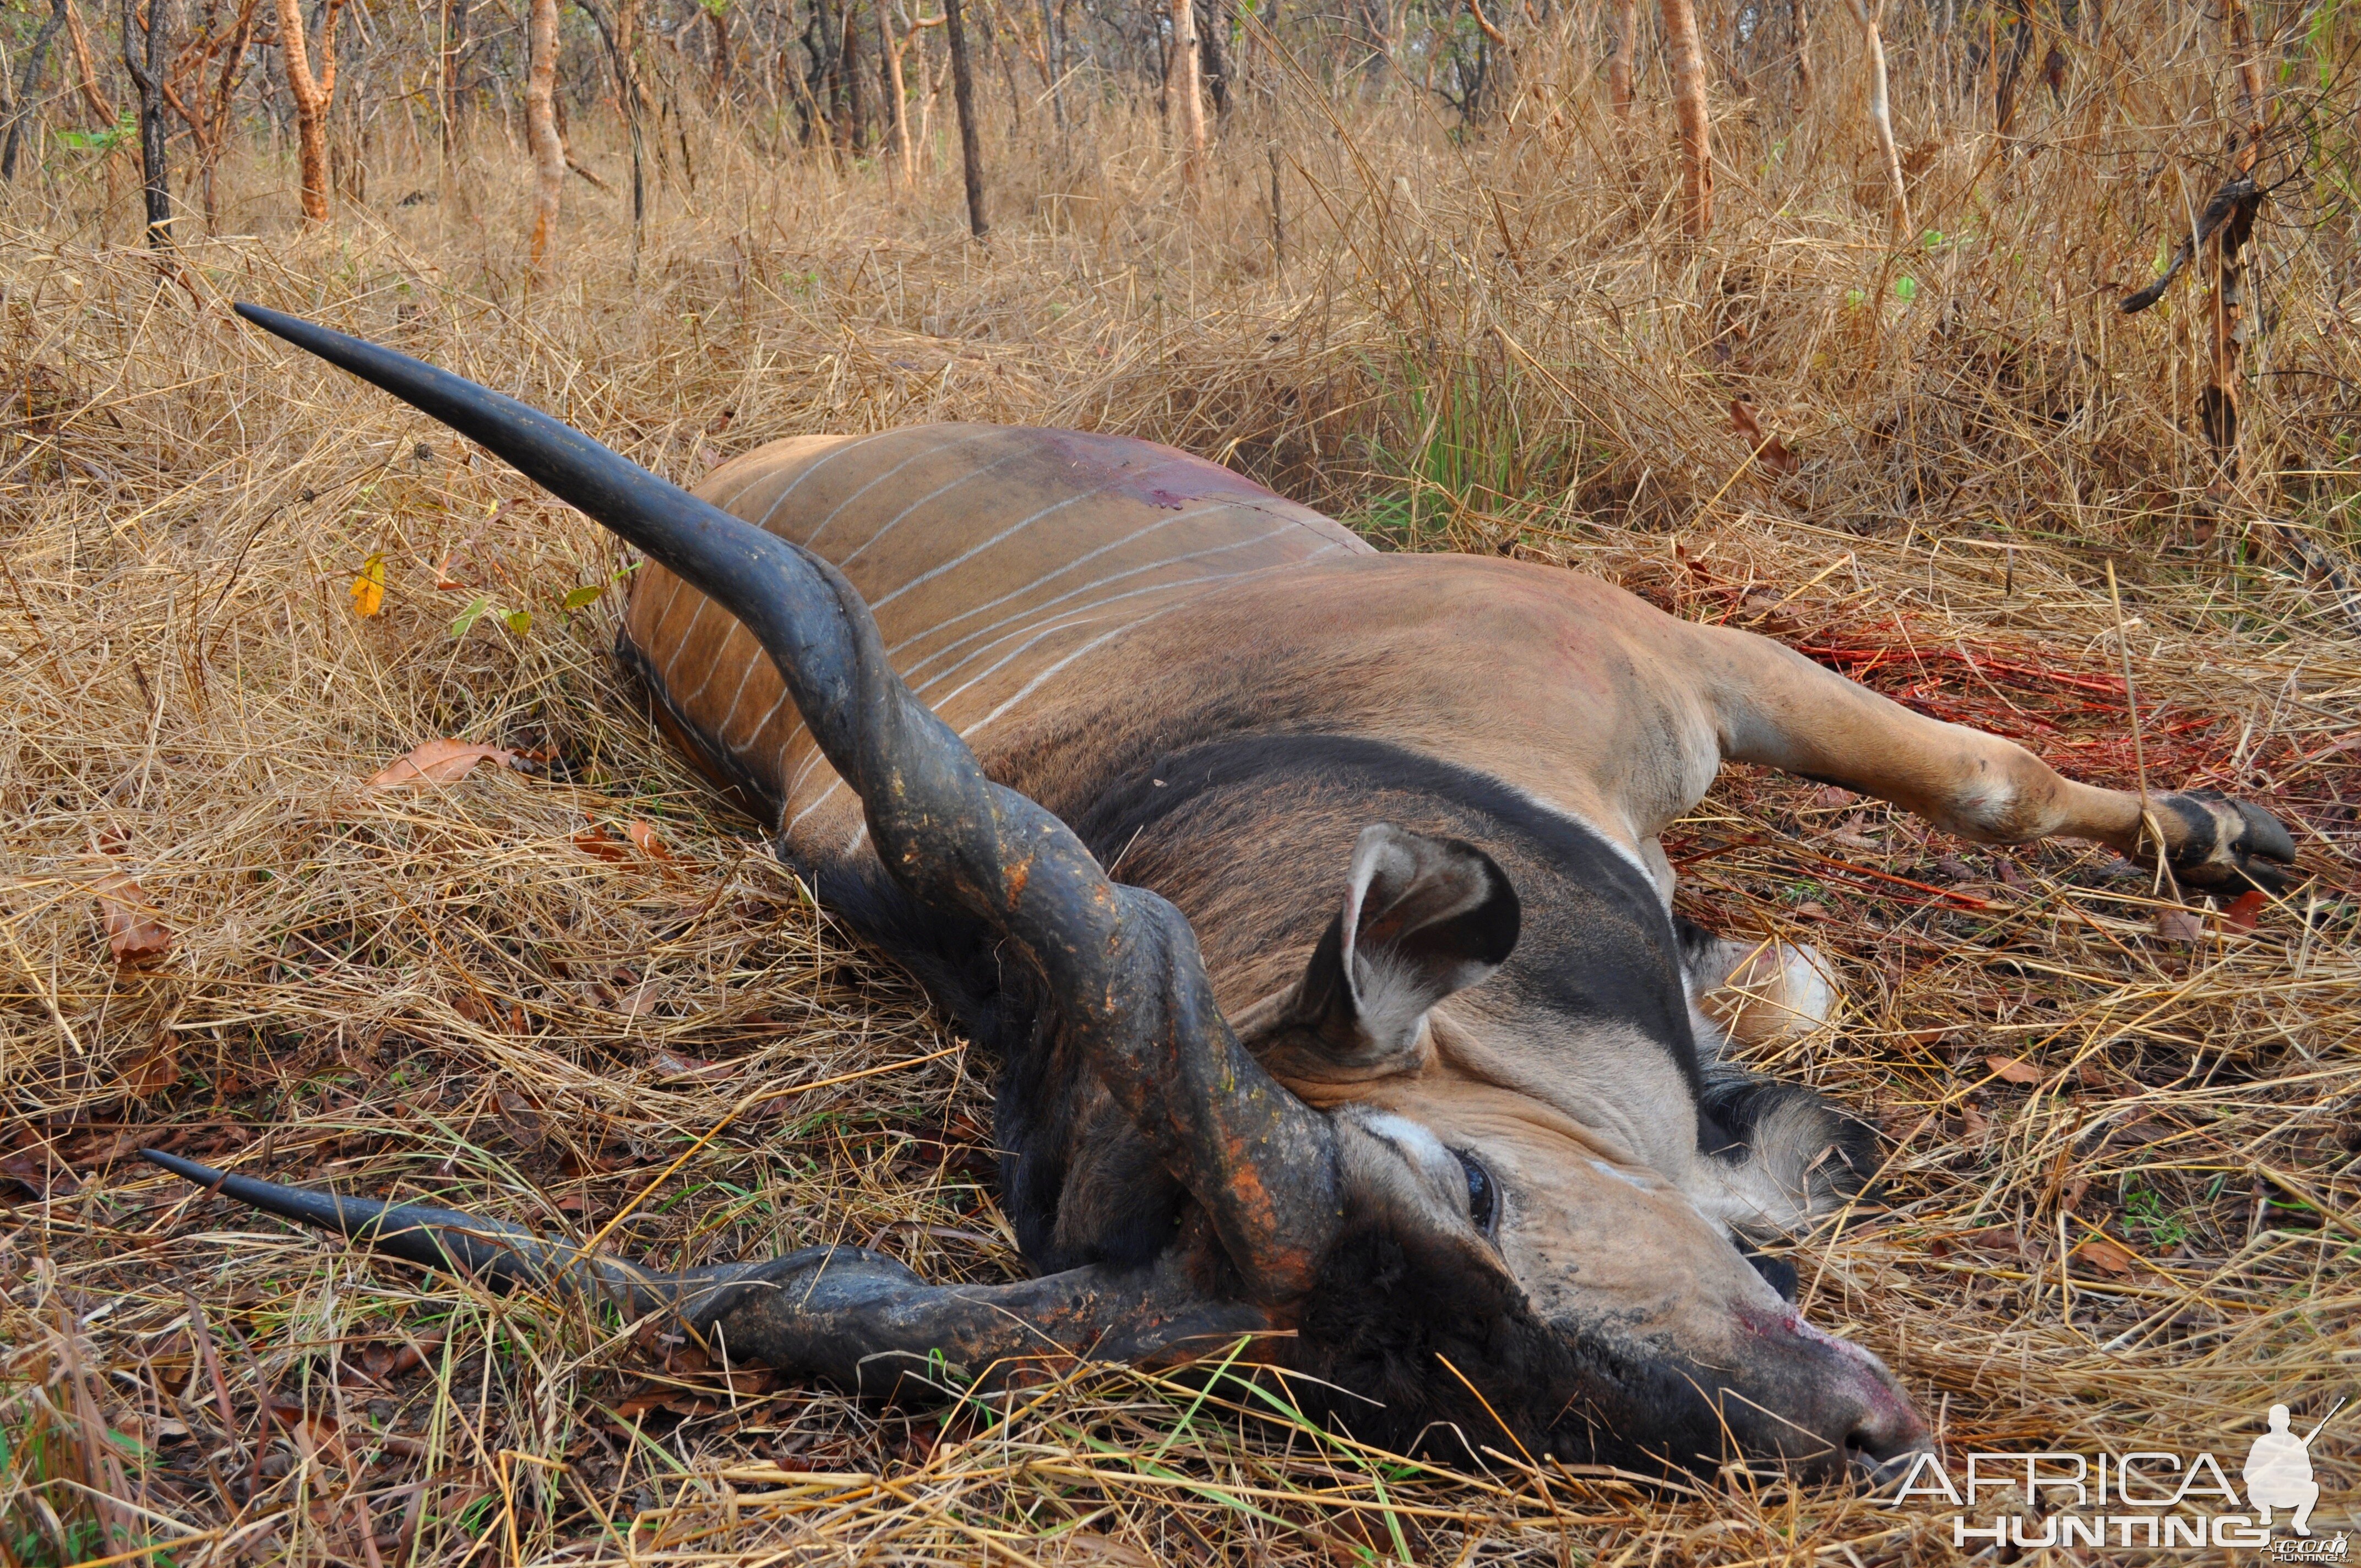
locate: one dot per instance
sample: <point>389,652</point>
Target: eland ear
<point>1422,918</point>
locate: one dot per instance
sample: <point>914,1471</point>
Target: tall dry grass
<point>490,993</point>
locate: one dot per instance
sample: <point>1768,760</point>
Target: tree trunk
<point>311,95</point>
<point>1054,54</point>
<point>25,83</point>
<point>1627,46</point>
<point>1881,114</point>
<point>541,126</point>
<point>215,141</point>
<point>1186,93</point>
<point>2218,405</point>
<point>963,98</point>
<point>1217,66</point>
<point>1800,18</point>
<point>2020,44</point>
<point>1686,51</point>
<point>143,46</point>
<point>855,91</point>
<point>102,109</point>
<point>455,134</point>
<point>898,92</point>
<point>621,44</point>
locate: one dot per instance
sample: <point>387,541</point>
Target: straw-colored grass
<point>2122,1137</point>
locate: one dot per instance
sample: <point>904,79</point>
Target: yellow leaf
<point>368,589</point>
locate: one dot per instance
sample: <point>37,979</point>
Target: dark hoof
<point>2229,844</point>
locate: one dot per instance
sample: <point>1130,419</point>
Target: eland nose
<point>1838,1405</point>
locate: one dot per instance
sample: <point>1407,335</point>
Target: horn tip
<point>203,1175</point>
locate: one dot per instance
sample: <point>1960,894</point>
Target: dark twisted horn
<point>855,1317</point>
<point>1119,964</point>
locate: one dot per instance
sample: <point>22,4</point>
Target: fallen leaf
<point>310,1434</point>
<point>2103,1254</point>
<point>40,1178</point>
<point>1852,832</point>
<point>641,998</point>
<point>2244,910</point>
<point>1769,450</point>
<point>155,1070</point>
<point>2013,1069</point>
<point>2178,927</point>
<point>697,1068</point>
<point>368,589</point>
<point>593,840</point>
<point>1972,1121</point>
<point>134,934</point>
<point>382,1361</point>
<point>441,761</point>
<point>644,834</point>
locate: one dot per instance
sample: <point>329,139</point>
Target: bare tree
<point>101,107</point>
<point>146,42</point>
<point>1186,90</point>
<point>2218,404</point>
<point>856,99</point>
<point>717,18</point>
<point>541,125</point>
<point>898,92</point>
<point>1618,68</point>
<point>963,97</point>
<point>1686,51</point>
<point>209,122</point>
<point>1800,23</point>
<point>25,83</point>
<point>621,37</point>
<point>312,94</point>
<point>1880,115</point>
<point>455,15</point>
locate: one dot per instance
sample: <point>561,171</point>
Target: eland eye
<point>1483,1196</point>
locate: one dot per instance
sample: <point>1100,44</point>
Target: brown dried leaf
<point>2178,927</point>
<point>644,835</point>
<point>441,762</point>
<point>156,1068</point>
<point>313,1433</point>
<point>640,999</point>
<point>2244,910</point>
<point>1769,450</point>
<point>697,1068</point>
<point>40,1178</point>
<point>2013,1069</point>
<point>134,934</point>
<point>2111,1256</point>
<point>595,840</point>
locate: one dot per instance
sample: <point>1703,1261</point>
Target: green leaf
<point>1905,289</point>
<point>581,596</point>
<point>468,617</point>
<point>519,620</point>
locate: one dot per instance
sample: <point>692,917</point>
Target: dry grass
<point>1482,344</point>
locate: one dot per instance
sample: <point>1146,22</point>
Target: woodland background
<point>1702,297</point>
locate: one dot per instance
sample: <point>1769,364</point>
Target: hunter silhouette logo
<point>2278,1469</point>
<point>2156,1498</point>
